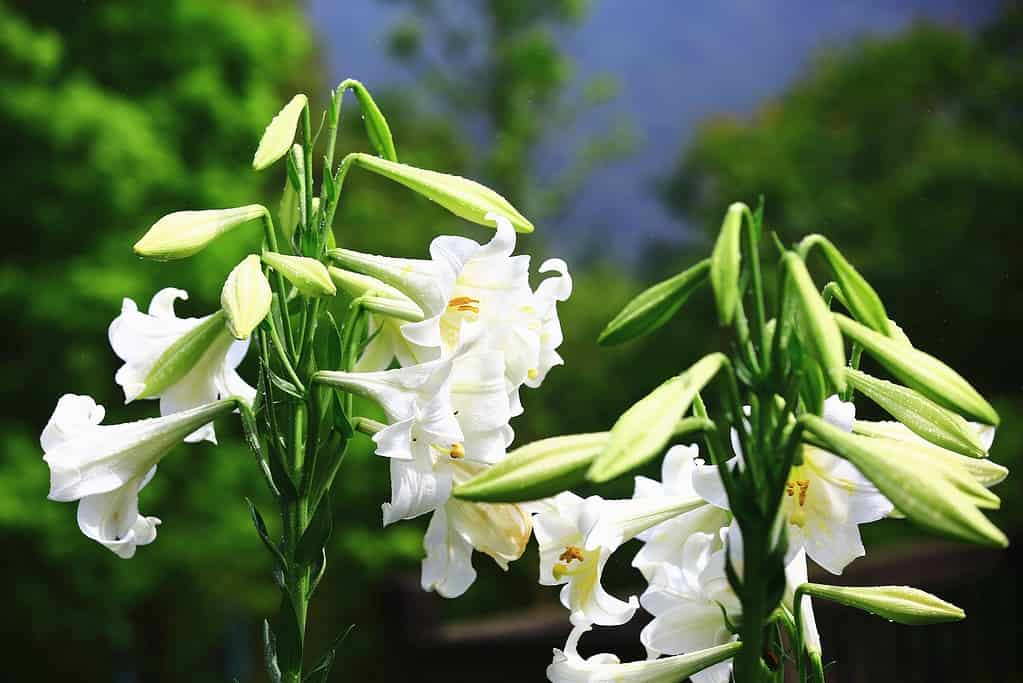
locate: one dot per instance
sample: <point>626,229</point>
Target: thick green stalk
<point>749,667</point>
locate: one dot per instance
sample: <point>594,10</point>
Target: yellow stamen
<point>571,553</point>
<point>533,373</point>
<point>457,451</point>
<point>464,303</point>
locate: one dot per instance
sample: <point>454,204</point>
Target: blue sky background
<point>677,61</point>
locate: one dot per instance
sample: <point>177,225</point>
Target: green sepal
<point>920,414</point>
<point>461,196</point>
<point>725,263</point>
<point>183,355</point>
<point>655,306</point>
<point>901,604</point>
<point>644,429</point>
<point>537,470</point>
<point>920,371</point>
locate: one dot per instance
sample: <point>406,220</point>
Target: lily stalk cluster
<point>768,474</point>
<point>443,345</point>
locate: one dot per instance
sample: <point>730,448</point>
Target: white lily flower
<point>464,281</point>
<point>184,362</point>
<point>105,466</point>
<point>569,667</point>
<point>576,538</point>
<point>665,541</point>
<point>440,413</point>
<point>826,499</point>
<point>457,528</point>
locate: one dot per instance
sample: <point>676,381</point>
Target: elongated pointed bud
<point>644,429</point>
<point>621,520</point>
<point>985,471</point>
<point>928,495</point>
<point>377,130</point>
<point>921,371</point>
<point>922,415</point>
<point>655,306</point>
<point>461,196</point>
<point>901,604</point>
<point>308,275</point>
<point>600,669</point>
<point>180,357</point>
<point>818,329</point>
<point>376,296</point>
<point>537,470</point>
<point>246,297</point>
<point>279,134</point>
<point>725,262</point>
<point>858,296</point>
<point>184,233</point>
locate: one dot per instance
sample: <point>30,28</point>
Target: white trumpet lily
<point>576,538</point>
<point>184,362</point>
<point>458,527</point>
<point>464,281</point>
<point>826,499</point>
<point>440,413</point>
<point>569,667</point>
<point>105,466</point>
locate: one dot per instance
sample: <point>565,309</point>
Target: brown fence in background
<point>859,647</point>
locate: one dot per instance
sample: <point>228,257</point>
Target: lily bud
<point>725,263</point>
<point>308,275</point>
<point>930,496</point>
<point>377,130</point>
<point>537,470</point>
<point>655,306</point>
<point>923,416</point>
<point>819,331</point>
<point>246,297</point>
<point>569,667</point>
<point>645,428</point>
<point>184,233</point>
<point>921,371</point>
<point>279,134</point>
<point>859,297</point>
<point>461,196</point>
<point>376,296</point>
<point>901,604</point>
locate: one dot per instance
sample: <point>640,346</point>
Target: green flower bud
<point>376,296</point>
<point>901,604</point>
<point>645,428</point>
<point>725,262</point>
<point>921,371</point>
<point>308,275</point>
<point>246,297</point>
<point>184,233</point>
<point>377,130</point>
<point>858,296</point>
<point>930,496</point>
<point>461,196</point>
<point>279,134</point>
<point>655,306</point>
<point>184,354</point>
<point>919,413</point>
<point>818,329</point>
<point>537,470</point>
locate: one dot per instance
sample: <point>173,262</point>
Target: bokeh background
<point>623,129</point>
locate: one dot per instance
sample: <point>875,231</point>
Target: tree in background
<point>909,152</point>
<point>113,114</point>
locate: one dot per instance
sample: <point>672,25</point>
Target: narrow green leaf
<point>316,535</point>
<point>655,306</point>
<point>264,535</point>
<point>537,470</point>
<point>725,263</point>
<point>921,371</point>
<point>644,429</point>
<point>273,669</point>
<point>922,415</point>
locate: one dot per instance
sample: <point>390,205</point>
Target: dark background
<point>623,130</point>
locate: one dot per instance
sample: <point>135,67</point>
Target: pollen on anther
<point>571,553</point>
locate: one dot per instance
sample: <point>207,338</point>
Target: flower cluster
<point>478,333</point>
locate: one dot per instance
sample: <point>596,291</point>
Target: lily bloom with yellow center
<point>825,500</point>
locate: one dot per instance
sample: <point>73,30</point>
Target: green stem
<point>752,257</point>
<point>279,284</point>
<point>749,666</point>
<point>307,149</point>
